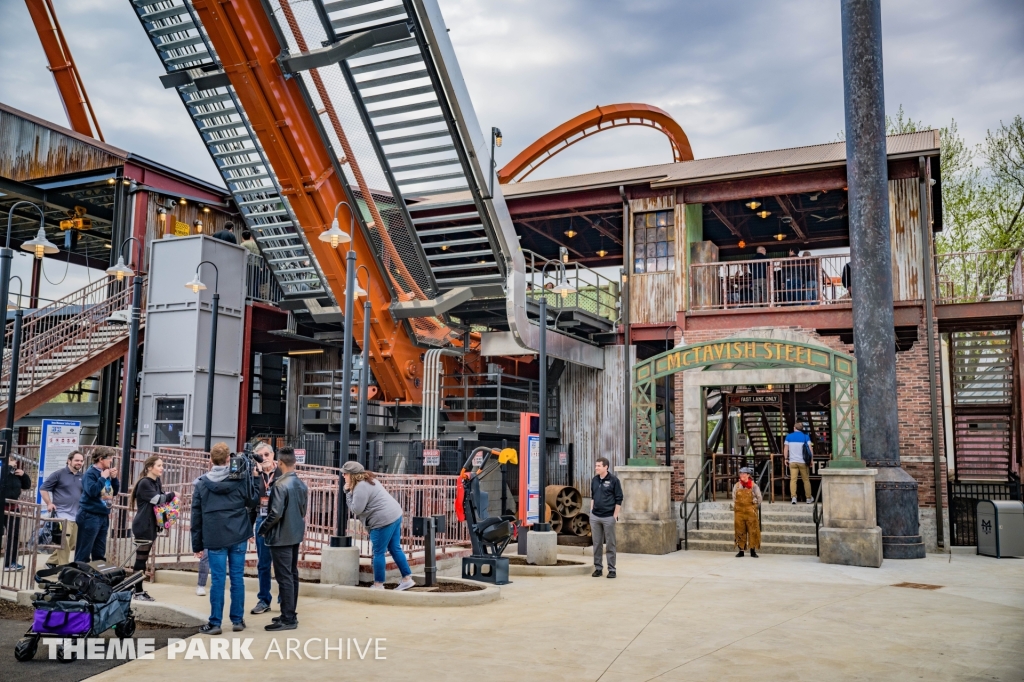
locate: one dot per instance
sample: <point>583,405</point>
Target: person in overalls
<point>746,498</point>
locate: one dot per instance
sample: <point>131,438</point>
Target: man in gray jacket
<point>61,492</point>
<point>283,531</point>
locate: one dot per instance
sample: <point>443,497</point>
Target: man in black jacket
<point>221,524</point>
<point>15,481</point>
<point>283,531</point>
<point>605,503</point>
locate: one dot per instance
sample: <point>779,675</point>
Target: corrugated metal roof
<point>724,167</point>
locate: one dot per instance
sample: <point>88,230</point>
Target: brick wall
<point>913,401</point>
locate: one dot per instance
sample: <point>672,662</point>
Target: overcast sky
<point>738,75</point>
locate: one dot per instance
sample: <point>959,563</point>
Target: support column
<point>874,336</point>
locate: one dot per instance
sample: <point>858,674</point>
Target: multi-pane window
<point>654,242</point>
<point>169,422</point>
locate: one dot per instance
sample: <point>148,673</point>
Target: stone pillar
<point>339,566</point>
<point>646,523</point>
<point>850,535</point>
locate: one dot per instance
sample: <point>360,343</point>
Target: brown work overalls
<point>745,520</point>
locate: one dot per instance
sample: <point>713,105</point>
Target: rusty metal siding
<point>29,151</point>
<point>652,298</point>
<point>593,413</point>
<point>904,229</point>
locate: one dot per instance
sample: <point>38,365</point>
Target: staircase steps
<point>785,529</point>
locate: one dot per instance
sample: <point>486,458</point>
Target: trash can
<point>1001,528</point>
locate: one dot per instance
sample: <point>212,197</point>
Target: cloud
<point>738,75</point>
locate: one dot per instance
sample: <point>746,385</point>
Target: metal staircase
<point>766,430</point>
<point>66,342</point>
<point>194,71</point>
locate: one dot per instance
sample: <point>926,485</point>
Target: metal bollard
<point>427,527</point>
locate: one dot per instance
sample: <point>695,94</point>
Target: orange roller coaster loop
<point>591,122</point>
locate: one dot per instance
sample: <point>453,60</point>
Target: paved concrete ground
<point>685,616</point>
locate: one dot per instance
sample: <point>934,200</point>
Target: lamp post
<point>196,286</point>
<point>564,289</point>
<point>364,372</point>
<point>335,236</point>
<point>119,271</point>
<point>12,384</point>
<point>495,142</point>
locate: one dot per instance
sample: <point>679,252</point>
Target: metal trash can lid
<point>1000,507</point>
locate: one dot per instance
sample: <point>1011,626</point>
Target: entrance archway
<point>751,360</point>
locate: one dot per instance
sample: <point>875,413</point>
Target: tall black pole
<point>542,389</point>
<point>340,538</point>
<point>133,371</point>
<point>12,386</point>
<point>213,369</point>
<point>874,335</point>
<point>364,380</point>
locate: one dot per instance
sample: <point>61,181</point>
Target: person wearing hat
<point>798,454</point>
<point>382,516</point>
<point>746,498</point>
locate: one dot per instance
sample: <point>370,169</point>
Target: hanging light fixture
<point>359,292</point>
<point>182,201</point>
<point>780,236</point>
<point>753,205</point>
<point>763,213</point>
<point>195,285</point>
<point>563,287</point>
<point>198,224</point>
<point>40,246</point>
<point>336,235</point>
<point>570,233</point>
<point>601,253</point>
<point>743,244</point>
<point>121,270</point>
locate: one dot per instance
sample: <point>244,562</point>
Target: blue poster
<point>59,439</point>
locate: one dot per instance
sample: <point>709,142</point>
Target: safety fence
<point>770,282</point>
<point>20,544</point>
<point>260,283</point>
<point>979,276</point>
<point>964,497</point>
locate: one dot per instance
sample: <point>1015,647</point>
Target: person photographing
<point>99,489</point>
<point>283,530</point>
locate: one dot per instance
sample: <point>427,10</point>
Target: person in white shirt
<point>798,453</point>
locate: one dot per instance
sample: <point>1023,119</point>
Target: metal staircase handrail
<point>39,359</point>
<point>684,512</point>
<point>759,480</point>
<point>817,520</point>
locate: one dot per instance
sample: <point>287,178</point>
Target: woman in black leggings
<point>145,495</point>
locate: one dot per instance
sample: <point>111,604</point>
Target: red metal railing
<point>769,283</point>
<point>979,276</point>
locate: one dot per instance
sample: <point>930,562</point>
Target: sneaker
<point>794,501</point>
<point>739,553</point>
<point>238,627</point>
<point>810,501</point>
<point>377,586</point>
<point>597,573</point>
<point>753,553</point>
<point>51,565</point>
<point>210,629</point>
<point>406,583</point>
<point>611,574</point>
<point>143,596</point>
<point>281,625</point>
<point>200,591</point>
<point>14,567</point>
<point>261,607</point>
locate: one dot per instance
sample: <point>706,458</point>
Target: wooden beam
<point>790,211</point>
<point>607,233</point>
<point>728,223</point>
<point>571,213</point>
<point>549,237</point>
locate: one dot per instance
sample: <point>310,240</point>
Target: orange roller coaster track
<point>592,122</point>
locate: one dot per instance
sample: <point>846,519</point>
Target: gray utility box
<point>176,356</point>
<point>1001,528</point>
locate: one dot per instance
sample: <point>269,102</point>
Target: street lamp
<point>336,236</point>
<point>340,537</point>
<point>495,142</point>
<point>564,288</point>
<point>12,384</point>
<point>196,286</point>
<point>364,373</point>
<point>119,271</point>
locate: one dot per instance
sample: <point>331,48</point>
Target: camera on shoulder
<point>241,464</point>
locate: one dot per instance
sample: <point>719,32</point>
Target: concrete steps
<point>785,529</point>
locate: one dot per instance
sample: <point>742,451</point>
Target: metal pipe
<point>133,371</point>
<point>12,387</point>
<point>624,307</point>
<point>542,393</point>
<point>668,383</point>
<point>364,380</point>
<point>341,538</point>
<point>929,322</point>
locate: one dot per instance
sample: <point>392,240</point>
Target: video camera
<point>241,464</point>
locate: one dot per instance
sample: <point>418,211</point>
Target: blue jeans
<point>225,561</point>
<point>263,563</point>
<point>388,538</point>
<point>91,544</point>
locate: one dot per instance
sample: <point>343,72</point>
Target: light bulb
<point>570,233</point>
<point>764,214</point>
<point>40,249</point>
<point>753,205</point>
<point>335,240</point>
<point>601,253</point>
<point>120,276</point>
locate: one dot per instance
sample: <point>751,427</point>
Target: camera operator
<point>284,529</point>
<point>268,475</point>
<point>222,502</point>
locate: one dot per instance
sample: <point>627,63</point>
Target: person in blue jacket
<point>99,489</point>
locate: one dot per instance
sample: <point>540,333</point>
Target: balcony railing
<point>979,276</point>
<point>770,282</point>
<point>595,293</point>
<point>260,283</point>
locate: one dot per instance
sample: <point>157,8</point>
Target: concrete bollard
<point>339,566</point>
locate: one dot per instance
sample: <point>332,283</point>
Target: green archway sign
<point>753,354</point>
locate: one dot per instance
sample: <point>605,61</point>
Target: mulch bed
<point>442,586</point>
<point>10,610</point>
<point>521,561</point>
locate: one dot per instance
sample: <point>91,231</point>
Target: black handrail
<point>817,520</point>
<point>765,470</point>
<point>684,511</point>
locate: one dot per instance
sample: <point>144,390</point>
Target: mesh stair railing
<point>64,335</point>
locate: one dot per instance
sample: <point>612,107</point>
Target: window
<point>654,242</point>
<point>170,421</point>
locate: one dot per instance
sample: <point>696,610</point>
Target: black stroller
<point>80,600</point>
